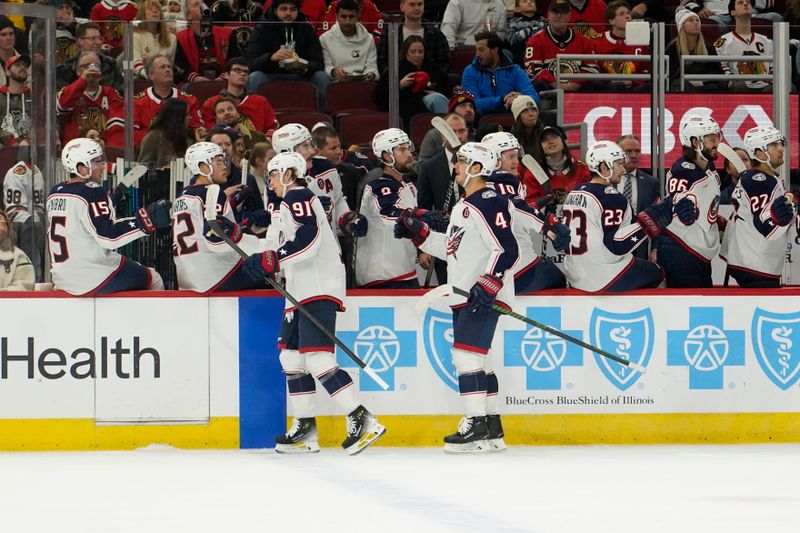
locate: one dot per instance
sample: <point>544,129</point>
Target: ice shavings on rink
<point>538,489</point>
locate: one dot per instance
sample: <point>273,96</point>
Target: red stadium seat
<point>306,118</point>
<point>348,96</point>
<point>140,85</point>
<point>360,127</point>
<point>461,57</point>
<point>504,119</point>
<point>420,125</point>
<point>290,95</point>
<point>203,90</point>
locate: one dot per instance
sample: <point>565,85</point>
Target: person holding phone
<point>348,48</point>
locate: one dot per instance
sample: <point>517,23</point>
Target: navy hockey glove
<point>155,215</point>
<point>120,193</point>
<point>238,198</point>
<point>257,219</point>
<point>411,228</point>
<point>782,211</point>
<point>434,219</point>
<point>263,265</point>
<point>687,211</point>
<point>326,203</point>
<point>353,224</point>
<point>655,218</point>
<point>545,201</point>
<point>561,235</point>
<point>483,293</point>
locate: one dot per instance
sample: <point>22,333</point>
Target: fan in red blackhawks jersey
<point>480,250</point>
<point>613,41</point>
<point>111,16</point>
<point>754,243</point>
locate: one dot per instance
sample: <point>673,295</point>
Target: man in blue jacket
<point>493,78</point>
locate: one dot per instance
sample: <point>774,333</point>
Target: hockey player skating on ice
<point>685,251</point>
<point>604,233</point>
<point>754,244</point>
<point>203,261</point>
<point>83,230</point>
<point>480,250</point>
<point>531,273</point>
<point>310,259</point>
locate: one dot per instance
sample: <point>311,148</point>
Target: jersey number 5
<point>58,240</point>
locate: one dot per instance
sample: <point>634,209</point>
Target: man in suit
<point>640,188</point>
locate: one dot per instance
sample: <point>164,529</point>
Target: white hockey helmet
<point>500,142</point>
<point>387,140</point>
<point>202,152</point>
<point>283,162</point>
<point>607,152</point>
<point>759,138</point>
<point>473,153</point>
<point>285,138</point>
<point>697,126</point>
<point>80,151</point>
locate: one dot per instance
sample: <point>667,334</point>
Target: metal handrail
<point>643,58</point>
<point>721,59</point>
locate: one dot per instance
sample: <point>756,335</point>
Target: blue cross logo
<point>379,345</point>
<point>706,348</point>
<point>542,354</point>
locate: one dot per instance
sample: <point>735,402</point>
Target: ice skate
<point>302,437</point>
<point>494,428</point>
<point>470,437</point>
<point>362,430</point>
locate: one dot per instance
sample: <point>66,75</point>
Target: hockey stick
<point>447,290</point>
<point>133,175</point>
<point>538,172</point>
<point>212,193</point>
<point>730,154</point>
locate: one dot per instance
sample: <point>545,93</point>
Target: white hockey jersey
<point>479,240</point>
<point>23,190</point>
<point>381,256</point>
<point>203,261</point>
<point>83,231</point>
<point>733,44</point>
<point>603,236</point>
<point>324,180</point>
<point>752,240</point>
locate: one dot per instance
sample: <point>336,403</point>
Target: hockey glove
<point>656,217</point>
<point>353,224</point>
<point>238,198</point>
<point>483,293</point>
<point>257,219</point>
<point>231,229</point>
<point>326,203</point>
<point>120,193</point>
<point>545,201</point>
<point>411,228</point>
<point>560,233</point>
<point>434,219</point>
<point>263,265</point>
<point>687,211</point>
<point>155,215</point>
<point>782,211</point>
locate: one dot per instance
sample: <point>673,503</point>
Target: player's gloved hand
<point>558,233</point>
<point>434,219</point>
<point>326,203</point>
<point>155,215</point>
<point>687,211</point>
<point>484,292</point>
<point>411,228</point>
<point>231,229</point>
<point>120,193</point>
<point>655,218</point>
<point>781,211</point>
<point>353,224</point>
<point>545,201</point>
<point>257,219</point>
<point>238,198</point>
<point>263,265</point>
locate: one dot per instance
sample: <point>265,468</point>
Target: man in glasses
<point>89,39</point>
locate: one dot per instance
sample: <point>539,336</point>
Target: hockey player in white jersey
<point>531,273</point>
<point>310,259</point>
<point>203,262</point>
<point>685,251</point>
<point>83,230</point>
<point>23,189</point>
<point>384,262</point>
<point>754,243</point>
<point>604,234</point>
<point>481,252</point>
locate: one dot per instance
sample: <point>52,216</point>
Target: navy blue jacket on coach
<point>489,86</point>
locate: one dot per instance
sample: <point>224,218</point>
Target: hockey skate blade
<point>480,446</point>
<point>497,445</point>
<point>366,440</point>
<point>297,447</point>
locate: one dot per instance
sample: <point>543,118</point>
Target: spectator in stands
<point>348,49</point>
<point>368,14</point>
<point>66,28</point>
<point>657,10</point>
<point>351,166</point>
<point>743,41</point>
<point>88,39</point>
<point>493,78</point>
<point>461,103</point>
<point>239,15</point>
<point>23,190</point>
<point>525,23</point>
<point>313,10</point>
<point>690,42</point>
<point>527,127</point>
<point>172,12</point>
<point>203,48</point>
<point>226,112</point>
<point>730,177</point>
<point>423,85</point>
<point>111,16</point>
<point>86,105</point>
<point>465,19</point>
<point>169,135</point>
<point>588,17</point>
<point>8,40</point>
<point>613,41</point>
<point>558,38</point>
<point>260,156</point>
<point>255,111</point>
<point>565,171</point>
<point>243,191</point>
<point>639,188</point>
<point>15,102</point>
<point>148,103</point>
<point>436,47</point>
<point>16,270</point>
<point>151,37</point>
<point>718,11</point>
<point>285,47</point>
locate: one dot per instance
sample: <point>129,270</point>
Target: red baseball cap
<point>13,59</point>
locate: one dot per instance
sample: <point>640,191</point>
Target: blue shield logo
<point>628,335</point>
<point>437,336</point>
<point>776,343</point>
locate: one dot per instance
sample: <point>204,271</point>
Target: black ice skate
<point>470,437</point>
<point>362,430</point>
<point>494,428</point>
<point>302,437</point>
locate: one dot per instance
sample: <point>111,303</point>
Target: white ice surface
<point>643,489</point>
